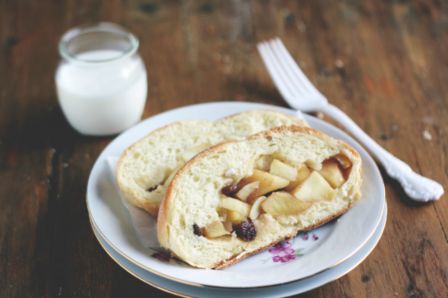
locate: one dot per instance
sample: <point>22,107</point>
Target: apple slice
<point>228,226</point>
<point>215,229</point>
<point>247,190</point>
<point>283,203</point>
<point>235,216</point>
<point>268,182</point>
<point>234,205</point>
<point>263,162</point>
<point>313,165</point>
<point>302,173</point>
<point>331,172</point>
<point>255,210</point>
<point>283,170</point>
<point>314,188</point>
<point>222,213</point>
<point>343,161</point>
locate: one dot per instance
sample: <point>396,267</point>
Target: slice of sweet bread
<point>238,198</point>
<point>145,168</point>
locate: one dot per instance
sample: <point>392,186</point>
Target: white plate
<point>337,240</point>
<point>285,290</point>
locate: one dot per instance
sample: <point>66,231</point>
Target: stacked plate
<point>301,264</point>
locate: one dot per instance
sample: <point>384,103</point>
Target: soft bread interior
<point>194,196</point>
<point>145,169</point>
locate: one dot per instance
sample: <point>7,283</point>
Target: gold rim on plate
<point>95,231</point>
<point>92,221</point>
<point>98,236</point>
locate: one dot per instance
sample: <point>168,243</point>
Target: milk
<point>102,92</point>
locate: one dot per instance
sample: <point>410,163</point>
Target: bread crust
<point>299,122</point>
<point>237,258</point>
<point>163,220</point>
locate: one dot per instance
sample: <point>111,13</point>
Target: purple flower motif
<point>283,252</point>
<point>305,236</point>
<point>315,237</point>
<point>162,256</point>
<point>281,246</point>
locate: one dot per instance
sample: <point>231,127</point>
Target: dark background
<point>384,63</point>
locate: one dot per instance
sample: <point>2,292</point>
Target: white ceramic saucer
<point>288,289</point>
<point>334,243</point>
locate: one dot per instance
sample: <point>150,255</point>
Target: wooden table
<point>385,64</point>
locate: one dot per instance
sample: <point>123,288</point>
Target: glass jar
<point>101,80</point>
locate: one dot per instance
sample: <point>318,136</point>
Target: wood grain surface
<point>384,63</point>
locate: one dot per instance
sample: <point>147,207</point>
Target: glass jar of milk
<point>101,80</point>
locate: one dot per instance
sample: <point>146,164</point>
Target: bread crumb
<point>339,63</point>
<point>427,135</point>
<point>230,172</point>
<point>320,115</point>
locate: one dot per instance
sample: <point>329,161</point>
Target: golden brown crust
<point>152,209</point>
<point>237,258</point>
<point>162,214</point>
<point>162,234</point>
<point>162,221</point>
<point>292,128</point>
<point>299,122</point>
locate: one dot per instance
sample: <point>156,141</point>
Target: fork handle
<point>416,186</point>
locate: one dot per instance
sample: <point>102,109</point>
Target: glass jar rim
<point>102,27</point>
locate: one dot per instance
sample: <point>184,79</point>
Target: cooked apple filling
<point>278,189</point>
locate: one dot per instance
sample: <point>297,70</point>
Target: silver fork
<point>300,94</point>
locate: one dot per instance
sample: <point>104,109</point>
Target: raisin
<point>152,188</point>
<point>197,230</point>
<point>245,230</point>
<point>230,190</point>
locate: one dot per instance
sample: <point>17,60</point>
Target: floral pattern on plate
<point>285,251</point>
<point>165,256</point>
<point>282,252</point>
